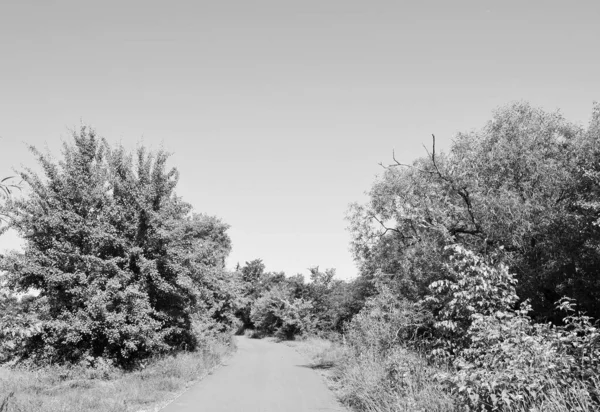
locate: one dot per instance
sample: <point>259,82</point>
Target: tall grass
<point>369,381</point>
<point>398,381</point>
<point>401,380</point>
<point>107,389</point>
<point>559,399</point>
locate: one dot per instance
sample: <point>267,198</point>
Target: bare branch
<point>393,229</point>
<point>462,192</point>
<point>397,163</point>
<point>459,230</point>
<point>384,226</point>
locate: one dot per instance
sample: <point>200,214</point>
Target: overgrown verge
<point>399,380</point>
<point>369,370</point>
<point>499,358</point>
<point>486,263</point>
<point>464,348</point>
<point>103,388</point>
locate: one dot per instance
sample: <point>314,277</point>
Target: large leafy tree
<point>522,188</point>
<point>120,263</point>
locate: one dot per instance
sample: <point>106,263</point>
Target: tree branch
<point>397,163</point>
<point>392,229</point>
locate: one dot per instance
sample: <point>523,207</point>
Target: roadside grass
<point>402,381</point>
<point>371,382</point>
<point>107,389</point>
<point>556,399</point>
<point>322,353</point>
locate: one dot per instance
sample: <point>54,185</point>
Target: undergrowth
<point>462,350</point>
<point>398,380</point>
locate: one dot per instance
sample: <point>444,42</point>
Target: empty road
<point>261,377</point>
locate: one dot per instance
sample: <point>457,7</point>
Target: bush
<point>474,286</point>
<point>385,322</point>
<point>513,361</point>
<point>501,359</point>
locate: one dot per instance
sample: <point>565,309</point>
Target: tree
<point>120,263</point>
<point>516,188</point>
<point>250,274</point>
<point>331,299</point>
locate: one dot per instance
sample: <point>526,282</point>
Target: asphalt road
<point>262,376</point>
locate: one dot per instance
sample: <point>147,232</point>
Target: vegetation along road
<point>262,376</point>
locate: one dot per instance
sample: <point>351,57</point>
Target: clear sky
<point>278,112</point>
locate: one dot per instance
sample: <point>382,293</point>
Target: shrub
<point>501,359</point>
<point>513,361</point>
<point>385,322</point>
<point>474,286</point>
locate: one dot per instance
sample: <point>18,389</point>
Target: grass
<point>322,353</point>
<point>402,381</point>
<point>370,382</point>
<point>576,397</point>
<point>76,389</point>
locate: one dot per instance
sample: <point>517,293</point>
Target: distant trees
<point>277,313</point>
<point>272,303</point>
<point>122,265</point>
<point>287,306</point>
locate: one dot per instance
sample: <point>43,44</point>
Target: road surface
<point>262,376</point>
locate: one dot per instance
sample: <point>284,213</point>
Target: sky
<point>278,113</point>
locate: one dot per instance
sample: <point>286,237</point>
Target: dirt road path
<point>261,377</point>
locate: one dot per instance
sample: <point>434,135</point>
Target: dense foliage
<point>121,266</point>
<point>288,306</point>
<point>525,188</point>
<point>478,287</point>
<point>483,246</point>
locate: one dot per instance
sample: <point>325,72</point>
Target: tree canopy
<point>121,263</point>
<point>524,188</point>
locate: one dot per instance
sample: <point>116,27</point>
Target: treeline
<point>478,284</point>
<point>274,304</point>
